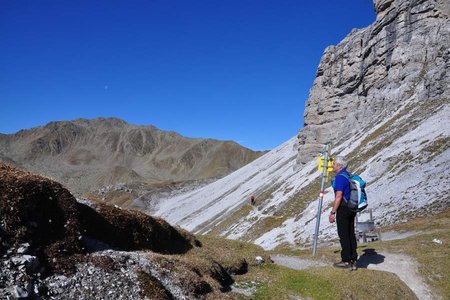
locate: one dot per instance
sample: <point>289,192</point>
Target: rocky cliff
<point>403,56</point>
<point>88,154</point>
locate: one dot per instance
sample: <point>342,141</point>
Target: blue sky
<point>232,69</point>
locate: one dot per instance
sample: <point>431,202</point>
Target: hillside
<point>381,98</point>
<point>53,246</point>
<point>87,155</point>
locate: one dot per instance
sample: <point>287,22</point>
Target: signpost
<point>323,160</point>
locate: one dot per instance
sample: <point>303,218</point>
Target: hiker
<point>252,200</point>
<point>343,216</point>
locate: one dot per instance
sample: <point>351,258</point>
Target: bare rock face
<point>403,56</point>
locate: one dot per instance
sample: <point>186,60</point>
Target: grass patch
<point>433,260</point>
<point>435,148</point>
<point>265,224</point>
<point>232,219</point>
<point>400,162</point>
<point>276,282</point>
<point>288,209</point>
<point>286,283</point>
<point>300,200</point>
<point>226,252</point>
<point>243,212</point>
<point>269,281</point>
<point>152,288</point>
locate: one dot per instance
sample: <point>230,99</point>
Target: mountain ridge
<point>86,154</point>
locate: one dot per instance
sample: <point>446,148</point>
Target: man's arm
<point>337,202</point>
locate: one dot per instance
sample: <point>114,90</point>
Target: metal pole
<point>319,208</point>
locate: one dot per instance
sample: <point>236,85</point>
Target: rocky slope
<point>382,98</point>
<point>89,154</point>
<point>55,247</point>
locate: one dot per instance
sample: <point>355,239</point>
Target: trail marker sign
<point>323,160</point>
<point>320,163</point>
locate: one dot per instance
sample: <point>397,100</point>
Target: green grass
<point>270,281</point>
<point>286,282</point>
<point>433,259</point>
<point>275,282</point>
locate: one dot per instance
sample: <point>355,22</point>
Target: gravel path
<point>394,235</point>
<point>295,262</point>
<point>401,265</point>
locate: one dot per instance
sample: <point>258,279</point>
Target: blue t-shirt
<point>340,183</point>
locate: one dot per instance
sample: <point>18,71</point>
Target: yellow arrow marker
<point>330,164</point>
<point>320,163</point>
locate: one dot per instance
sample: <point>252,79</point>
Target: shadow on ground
<point>370,257</point>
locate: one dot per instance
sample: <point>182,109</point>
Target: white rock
<point>259,260</point>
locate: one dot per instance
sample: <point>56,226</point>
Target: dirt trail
<point>401,265</point>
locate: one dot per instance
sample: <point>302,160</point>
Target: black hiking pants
<point>345,220</point>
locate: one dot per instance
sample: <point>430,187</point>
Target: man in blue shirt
<point>343,216</point>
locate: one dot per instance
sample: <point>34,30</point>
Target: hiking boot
<point>354,266</point>
<point>342,265</point>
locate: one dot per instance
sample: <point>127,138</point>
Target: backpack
<point>358,196</point>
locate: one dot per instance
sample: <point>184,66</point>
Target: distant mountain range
<point>87,155</point>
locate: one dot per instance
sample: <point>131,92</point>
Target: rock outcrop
<point>403,56</point>
<point>55,247</point>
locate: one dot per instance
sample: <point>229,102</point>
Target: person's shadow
<point>370,257</point>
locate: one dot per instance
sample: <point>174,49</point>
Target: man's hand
<point>332,218</point>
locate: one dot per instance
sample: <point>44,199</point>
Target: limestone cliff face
<point>403,56</point>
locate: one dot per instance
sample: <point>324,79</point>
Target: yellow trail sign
<point>320,163</point>
<point>325,168</point>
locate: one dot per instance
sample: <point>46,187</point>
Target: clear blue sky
<point>231,69</point>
